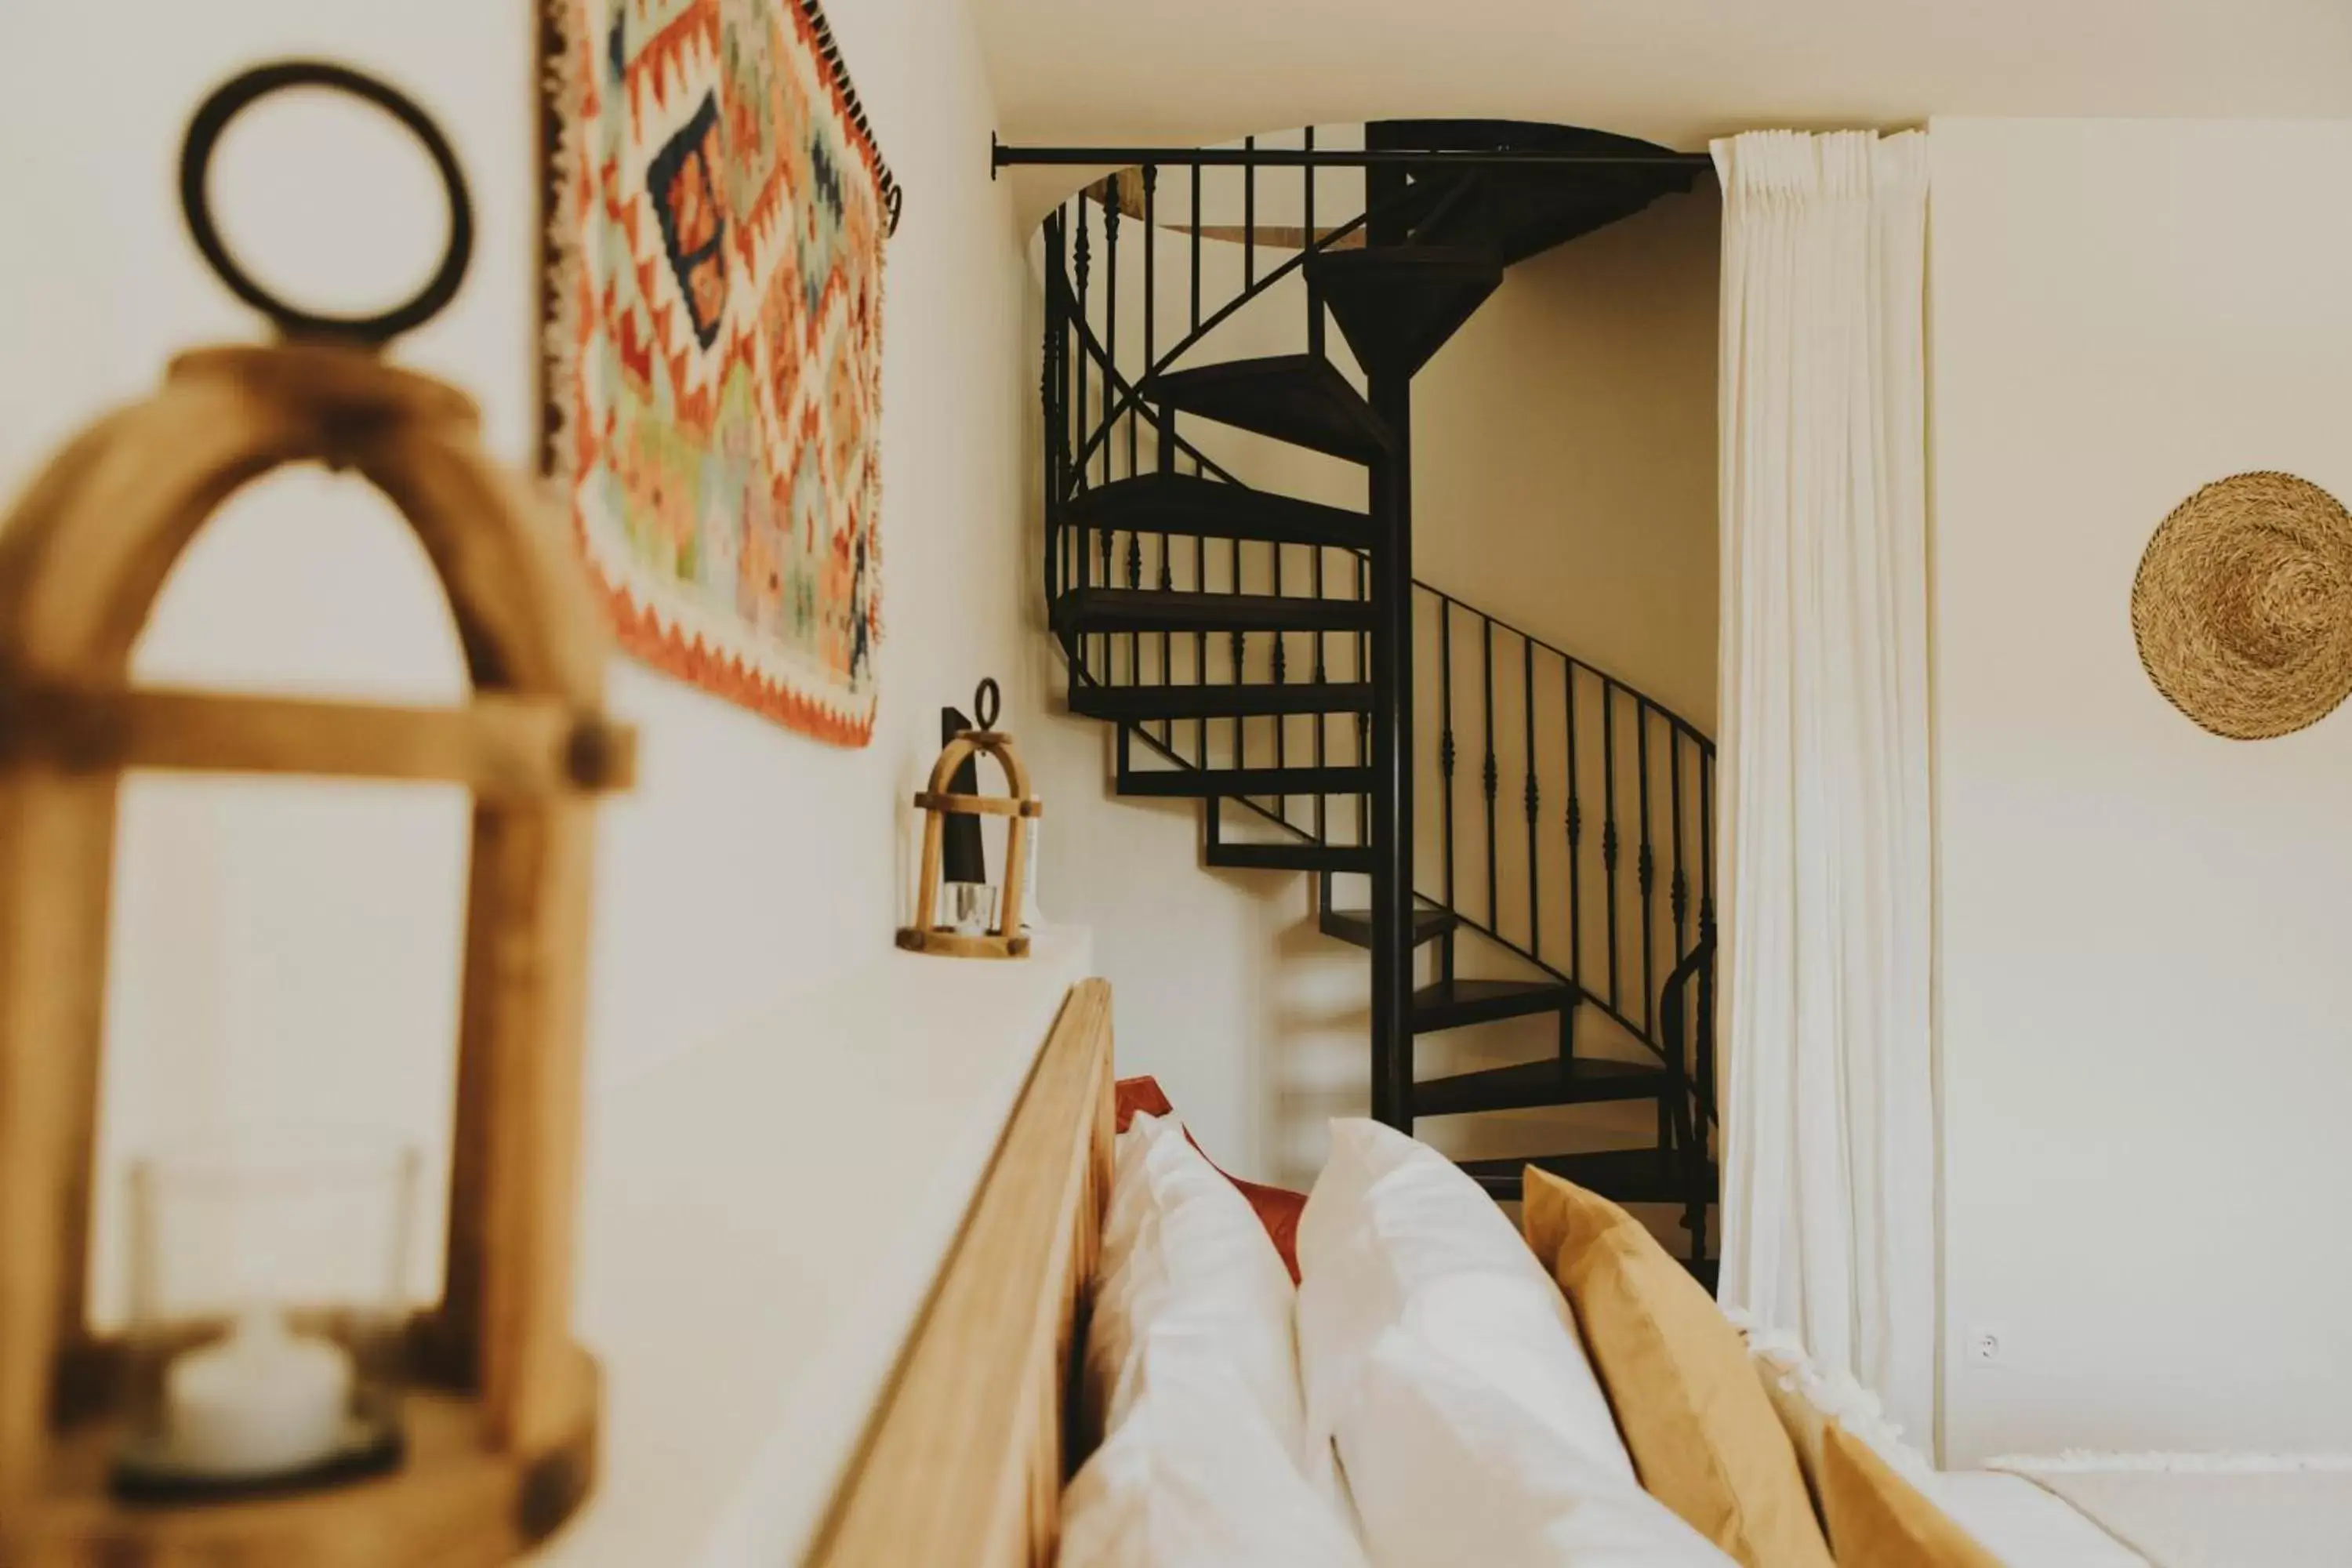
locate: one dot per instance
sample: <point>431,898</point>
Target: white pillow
<point>1185,1258</point>
<point>1394,1234</point>
<point>1193,1478</point>
<point>1449,1469</point>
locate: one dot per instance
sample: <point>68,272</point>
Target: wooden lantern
<point>502,1416</point>
<point>940,801</point>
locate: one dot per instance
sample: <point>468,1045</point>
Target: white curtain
<point>1828,1129</point>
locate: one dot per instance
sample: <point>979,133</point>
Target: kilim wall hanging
<point>717,214</point>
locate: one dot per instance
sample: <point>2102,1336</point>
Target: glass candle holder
<point>971,908</point>
<point>267,1315</point>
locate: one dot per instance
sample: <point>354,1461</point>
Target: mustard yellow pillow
<point>1703,1436</point>
<point>1879,1518</point>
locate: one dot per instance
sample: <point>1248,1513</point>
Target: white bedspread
<point>2191,1511</point>
<point>2027,1527</point>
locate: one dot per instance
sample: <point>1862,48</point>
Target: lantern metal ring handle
<point>196,160</point>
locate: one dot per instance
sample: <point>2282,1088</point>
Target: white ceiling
<point>1187,71</point>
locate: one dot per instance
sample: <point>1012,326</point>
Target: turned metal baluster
<point>1084,563</point>
<point>1705,1052</point>
<point>1322,675</point>
<point>1492,777</point>
<point>1533,800</point>
<point>1167,673</point>
<point>1671,1010</point>
<point>1199,541</point>
<point>1280,665</point>
<point>1134,580</point>
<point>1161,427</point>
<point>1113,196</point>
<point>1646,881</point>
<point>1085,252</point>
<point>1281,641</point>
<point>1240,645</point>
<point>1249,217</point>
<point>1678,890</point>
<point>1645,867</point>
<point>1609,822</point>
<point>1446,749</point>
<point>1307,242</point>
<point>1575,830</point>
<point>1315,345</point>
<point>1150,238</point>
<point>1048,378</point>
<point>1110,325</point>
<point>1249,276</point>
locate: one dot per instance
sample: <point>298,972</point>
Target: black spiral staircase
<point>1270,654</point>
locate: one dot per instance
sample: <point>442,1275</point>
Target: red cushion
<point>1277,1207</point>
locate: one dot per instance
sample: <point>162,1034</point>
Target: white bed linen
<point>1394,1234</point>
<point>1183,1255</point>
<point>2025,1526</point>
<point>1449,1469</point>
<point>2210,1510</point>
<point>1195,1478</point>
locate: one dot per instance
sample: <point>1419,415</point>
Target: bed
<point>992,1354</point>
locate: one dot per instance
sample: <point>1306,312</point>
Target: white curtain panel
<point>1829,1130</point>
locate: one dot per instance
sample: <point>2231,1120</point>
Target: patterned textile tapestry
<point>718,213</point>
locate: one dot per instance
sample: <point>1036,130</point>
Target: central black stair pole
<point>1391,397</point>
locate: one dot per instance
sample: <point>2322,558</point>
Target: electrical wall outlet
<point>1985,1345</point>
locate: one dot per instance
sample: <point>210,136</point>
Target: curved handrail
<point>1095,350</point>
<point>1697,735</point>
<point>1673,1021</point>
<point>1225,312</point>
<point>1326,240</point>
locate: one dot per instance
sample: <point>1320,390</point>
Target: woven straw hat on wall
<point>2243,606</point>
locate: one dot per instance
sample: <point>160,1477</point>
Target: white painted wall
<point>1564,451</point>
<point>2143,986</point>
<point>295,947</point>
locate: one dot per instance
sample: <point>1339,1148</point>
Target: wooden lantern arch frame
<point>937,803</point>
<point>503,1421</point>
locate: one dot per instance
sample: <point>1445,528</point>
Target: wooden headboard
<point>965,1459</point>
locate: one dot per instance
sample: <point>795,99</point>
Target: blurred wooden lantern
<point>943,806</point>
<point>502,1413</point>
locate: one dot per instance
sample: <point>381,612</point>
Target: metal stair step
<point>1299,856</point>
<point>1296,398</point>
<point>1211,782</point>
<point>1580,1081</point>
<point>1517,212</point>
<point>1355,926</point>
<point>1621,1175</point>
<point>1397,305</point>
<point>1452,1004</point>
<point>1129,703</point>
<point>1151,610</point>
<point>1188,504</point>
<point>1522,213</point>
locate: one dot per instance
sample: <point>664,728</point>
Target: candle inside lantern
<point>268,1311</point>
<point>263,1401</point>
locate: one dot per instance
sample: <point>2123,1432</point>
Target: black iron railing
<point>1573,820</point>
<point>1574,813</point>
